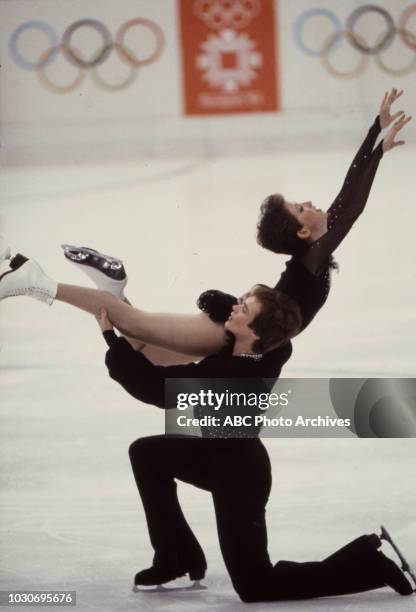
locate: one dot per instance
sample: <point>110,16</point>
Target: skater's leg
<point>241,490</point>
<point>164,357</point>
<point>355,568</point>
<point>158,355</point>
<point>189,334</point>
<point>156,462</point>
<point>108,274</point>
<point>240,496</point>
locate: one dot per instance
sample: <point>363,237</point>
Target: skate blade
<point>197,586</point>
<point>405,566</point>
<point>76,253</point>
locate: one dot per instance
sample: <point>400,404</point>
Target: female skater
<point>308,234</point>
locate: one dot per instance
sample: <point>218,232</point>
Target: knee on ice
<point>248,594</point>
<point>138,448</point>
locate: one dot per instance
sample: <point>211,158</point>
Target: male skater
<point>236,471</point>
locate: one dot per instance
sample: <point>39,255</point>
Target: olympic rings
<point>156,31</point>
<point>14,49</point>
<point>399,71</point>
<point>300,22</point>
<point>331,41</point>
<point>383,42</point>
<point>74,56</point>
<point>45,80</point>
<point>403,23</point>
<point>98,79</point>
<point>222,14</point>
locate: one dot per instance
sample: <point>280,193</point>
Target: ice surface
<point>70,516</point>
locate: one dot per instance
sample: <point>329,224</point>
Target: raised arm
<point>363,157</point>
<point>342,216</point>
<point>357,169</point>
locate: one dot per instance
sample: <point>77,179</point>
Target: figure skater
<point>237,472</point>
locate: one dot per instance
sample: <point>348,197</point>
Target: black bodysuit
<point>307,276</point>
<point>237,471</point>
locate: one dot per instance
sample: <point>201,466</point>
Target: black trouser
<point>238,474</point>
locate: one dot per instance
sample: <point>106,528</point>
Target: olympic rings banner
<point>77,58</point>
<point>229,56</point>
<point>346,33</point>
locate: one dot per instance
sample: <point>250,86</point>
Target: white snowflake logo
<point>229,60</point>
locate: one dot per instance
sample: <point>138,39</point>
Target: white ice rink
<point>70,513</point>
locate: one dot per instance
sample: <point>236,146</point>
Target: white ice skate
<point>105,271</point>
<point>24,276</point>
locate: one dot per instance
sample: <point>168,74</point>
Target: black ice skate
<point>106,271</point>
<point>404,564</point>
<point>157,576</point>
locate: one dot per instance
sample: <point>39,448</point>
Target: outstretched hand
<point>103,320</point>
<point>386,118</point>
<point>389,142</point>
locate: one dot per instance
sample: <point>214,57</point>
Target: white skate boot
<point>105,271</point>
<point>25,277</point>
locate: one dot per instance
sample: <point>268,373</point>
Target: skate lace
<point>38,293</point>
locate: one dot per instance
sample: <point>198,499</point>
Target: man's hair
<point>278,321</point>
<point>277,228</point>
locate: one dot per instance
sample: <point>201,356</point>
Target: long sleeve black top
<point>307,276</point>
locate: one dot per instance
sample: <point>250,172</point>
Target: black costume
<point>237,472</point>
<point>307,275</point>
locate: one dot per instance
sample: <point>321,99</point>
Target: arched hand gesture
<point>386,118</point>
<point>389,142</point>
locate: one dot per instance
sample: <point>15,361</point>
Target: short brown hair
<point>278,321</point>
<point>277,228</point>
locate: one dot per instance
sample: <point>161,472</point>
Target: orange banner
<point>229,56</point>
